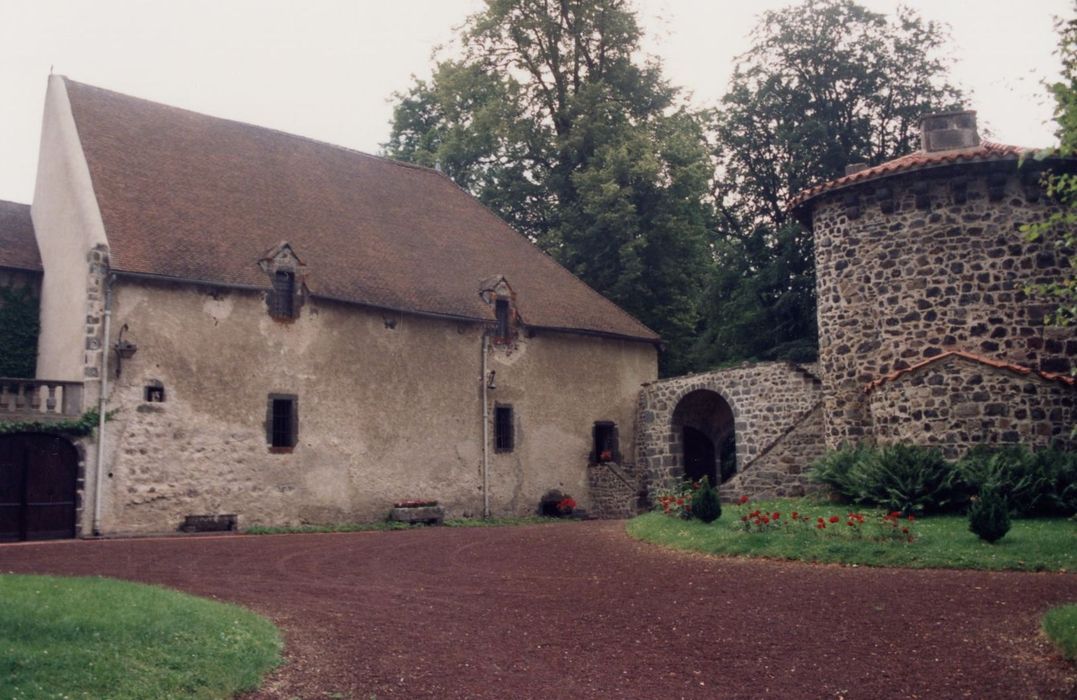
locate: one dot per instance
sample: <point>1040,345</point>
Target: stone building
<point>930,330</point>
<point>287,331</point>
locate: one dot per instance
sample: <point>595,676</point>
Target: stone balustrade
<point>39,399</point>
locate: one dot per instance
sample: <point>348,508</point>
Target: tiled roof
<point>985,152</point>
<point>990,362</point>
<point>188,196</point>
<point>18,247</point>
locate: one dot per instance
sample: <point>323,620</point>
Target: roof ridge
<point>301,137</point>
<point>980,359</point>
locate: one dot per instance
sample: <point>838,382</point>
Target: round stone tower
<point>930,328</point>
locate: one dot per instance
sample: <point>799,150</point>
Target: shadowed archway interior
<point>703,422</point>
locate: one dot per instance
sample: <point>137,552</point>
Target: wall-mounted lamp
<point>490,383</point>
<point>125,350</point>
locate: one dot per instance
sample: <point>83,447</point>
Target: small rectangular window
<point>504,437</point>
<point>605,442</point>
<point>154,392</point>
<point>282,298</point>
<point>282,422</point>
<point>501,309</point>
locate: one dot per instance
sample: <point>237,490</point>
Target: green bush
<point>835,469</point>
<point>906,478</point>
<point>706,505</point>
<point>1042,483</point>
<point>989,516</point>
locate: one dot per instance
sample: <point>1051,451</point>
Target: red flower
<point>821,525</point>
<point>743,500</point>
<point>605,456</point>
<point>744,518</point>
<point>834,518</point>
<point>776,515</point>
<point>794,515</point>
<point>850,523</point>
<point>680,501</point>
<point>911,518</point>
<point>905,530</point>
<point>820,519</point>
<point>895,515</point>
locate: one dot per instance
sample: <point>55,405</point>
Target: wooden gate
<point>37,487</point>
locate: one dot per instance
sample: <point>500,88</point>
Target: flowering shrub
<point>414,503</point>
<point>676,501</point>
<point>890,527</point>
<point>566,505</point>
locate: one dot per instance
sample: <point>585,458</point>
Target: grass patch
<point>389,525</point>
<point>1043,544</point>
<point>102,638</point>
<point>1060,626</point>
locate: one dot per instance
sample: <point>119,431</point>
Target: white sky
<point>327,68</point>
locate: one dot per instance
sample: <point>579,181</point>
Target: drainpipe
<point>485,431</point>
<point>101,410</point>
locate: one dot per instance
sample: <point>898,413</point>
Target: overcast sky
<point>327,68</point>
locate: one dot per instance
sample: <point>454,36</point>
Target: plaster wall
<point>68,228</point>
<point>910,267</point>
<point>389,408</point>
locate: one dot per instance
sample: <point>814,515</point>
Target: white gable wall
<point>68,226</point>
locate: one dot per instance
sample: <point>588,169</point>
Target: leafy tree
<point>826,83</point>
<point>551,118</point>
<point>1061,227</point>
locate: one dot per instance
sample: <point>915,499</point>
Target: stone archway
<point>703,420</point>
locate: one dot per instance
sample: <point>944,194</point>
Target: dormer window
<point>502,308</point>
<point>286,282</point>
<point>496,292</point>
<point>282,297</point>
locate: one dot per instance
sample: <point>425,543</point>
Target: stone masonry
<point>913,266</point>
<point>957,402</point>
<point>768,401</point>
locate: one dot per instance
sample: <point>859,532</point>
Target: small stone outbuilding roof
<point>18,247</point>
<point>986,152</point>
<point>979,359</point>
<point>191,197</point>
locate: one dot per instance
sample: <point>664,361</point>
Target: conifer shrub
<point>705,502</point>
<point>989,515</point>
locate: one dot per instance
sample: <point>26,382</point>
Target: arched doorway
<point>703,421</point>
<point>38,475</point>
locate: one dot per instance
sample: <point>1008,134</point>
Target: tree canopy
<point>826,83</point>
<point>554,120</point>
<point>550,114</point>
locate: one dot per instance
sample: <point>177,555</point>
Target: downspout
<point>485,430</point>
<point>101,410</point>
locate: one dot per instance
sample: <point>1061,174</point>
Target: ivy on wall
<point>78,427</point>
<point>19,326</point>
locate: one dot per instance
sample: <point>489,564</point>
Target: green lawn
<point>1060,625</point>
<point>940,541</point>
<point>97,638</point>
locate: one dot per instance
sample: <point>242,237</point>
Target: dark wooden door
<point>37,487</point>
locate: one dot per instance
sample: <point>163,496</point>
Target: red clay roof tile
<point>985,152</point>
<point>18,247</point>
<point>188,196</point>
<point>988,361</point>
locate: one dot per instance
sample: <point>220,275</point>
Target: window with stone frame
<point>504,429</point>
<point>605,442</point>
<point>282,422</point>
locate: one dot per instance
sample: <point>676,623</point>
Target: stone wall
<point>956,403</point>
<point>783,470</point>
<point>911,266</point>
<point>614,490</point>
<point>767,400</point>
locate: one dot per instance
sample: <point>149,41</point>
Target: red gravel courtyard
<point>580,610</point>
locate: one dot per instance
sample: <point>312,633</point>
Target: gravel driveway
<point>581,611</point>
